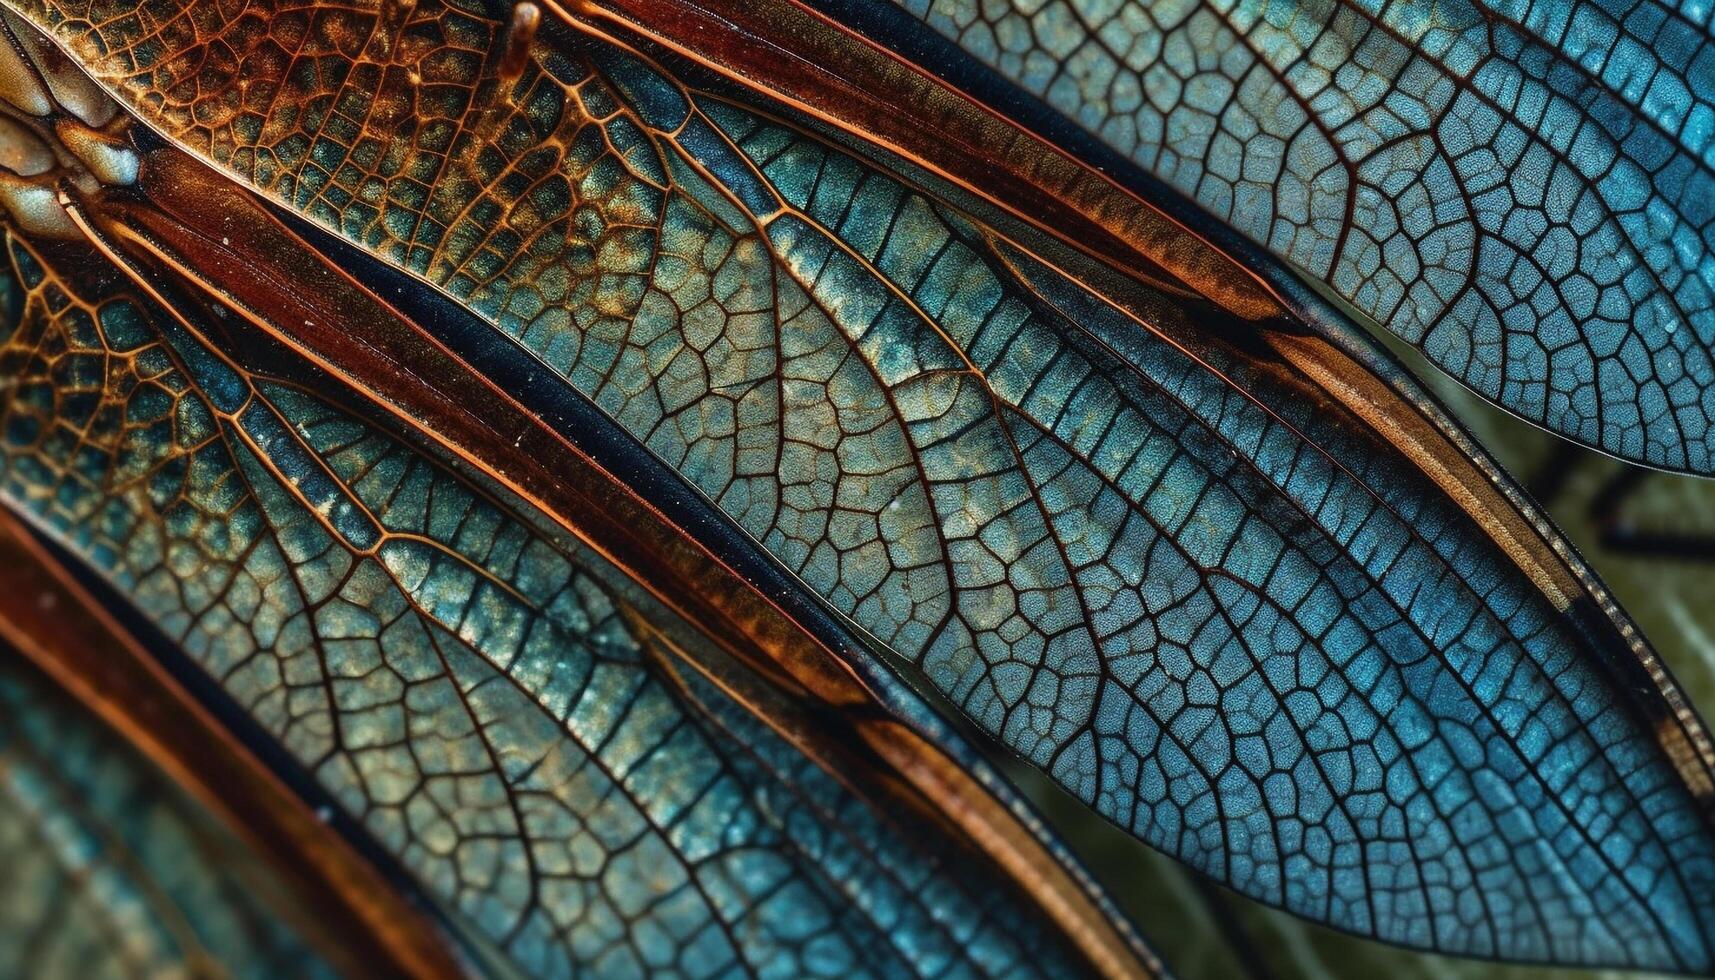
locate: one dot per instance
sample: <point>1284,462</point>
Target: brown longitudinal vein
<point>1445,456</point>
<point>967,148</point>
<point>1152,544</point>
<point>348,451</point>
<point>53,621</point>
<point>964,800</point>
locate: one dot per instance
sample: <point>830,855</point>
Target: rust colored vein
<point>986,822</point>
<point>967,809</point>
<point>800,57</point>
<point>357,915</point>
<point>248,261</point>
<point>201,229</point>
<point>1515,529</point>
<point>1328,375</point>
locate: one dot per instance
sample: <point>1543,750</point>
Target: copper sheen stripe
<point>801,58</point>
<point>247,260</point>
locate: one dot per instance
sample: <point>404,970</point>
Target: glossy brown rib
<point>800,57</point>
<point>820,67</point>
<point>1514,523</point>
<point>248,261</point>
<point>359,919</point>
<point>1322,372</point>
<point>803,59</point>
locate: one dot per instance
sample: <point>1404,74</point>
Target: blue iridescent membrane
<point>1250,636</point>
<point>1524,191</point>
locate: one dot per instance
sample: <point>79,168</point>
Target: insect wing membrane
<point>1107,521</point>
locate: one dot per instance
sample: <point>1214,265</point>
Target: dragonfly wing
<point>521,735</point>
<point>1523,192</point>
<point>1237,594</point>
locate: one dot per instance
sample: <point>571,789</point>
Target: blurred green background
<point>1649,535</point>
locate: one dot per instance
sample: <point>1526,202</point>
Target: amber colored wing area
<point>523,737</point>
<point>1203,567</point>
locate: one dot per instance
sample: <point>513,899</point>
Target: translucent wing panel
<point>517,731</point>
<point>1100,520</point>
<point>1523,191</point>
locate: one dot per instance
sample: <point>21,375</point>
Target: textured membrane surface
<point>491,713</point>
<point>1213,611</point>
<point>1523,190</point>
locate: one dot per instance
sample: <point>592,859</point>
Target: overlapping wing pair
<point>1215,568</point>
